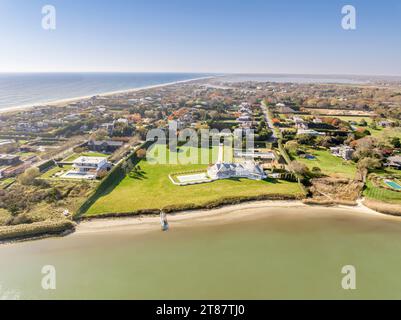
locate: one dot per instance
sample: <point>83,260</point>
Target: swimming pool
<point>393,184</point>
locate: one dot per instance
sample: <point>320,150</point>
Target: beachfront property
<point>222,170</point>
<point>226,170</point>
<point>344,152</point>
<point>88,168</point>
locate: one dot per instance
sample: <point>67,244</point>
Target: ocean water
<point>20,89</point>
<point>281,253</point>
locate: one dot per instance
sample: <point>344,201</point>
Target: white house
<point>226,170</point>
<point>90,166</point>
<point>248,169</point>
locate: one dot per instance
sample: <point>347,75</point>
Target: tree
<point>29,176</point>
<point>300,168</point>
<point>141,153</point>
<point>396,142</point>
<point>292,146</point>
<point>369,164</point>
<point>100,134</point>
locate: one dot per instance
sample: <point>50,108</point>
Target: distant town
<point>325,144</point>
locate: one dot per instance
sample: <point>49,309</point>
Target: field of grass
<point>85,154</point>
<point>49,174</point>
<point>381,194</point>
<point>384,133</point>
<point>6,182</point>
<point>355,118</point>
<point>329,164</point>
<point>151,188</point>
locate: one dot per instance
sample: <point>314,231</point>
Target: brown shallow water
<point>267,254</point>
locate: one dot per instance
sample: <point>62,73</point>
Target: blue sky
<point>244,36</point>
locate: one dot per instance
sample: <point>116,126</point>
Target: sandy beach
<point>62,102</point>
<point>223,215</point>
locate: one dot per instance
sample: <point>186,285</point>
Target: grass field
<point>356,119</point>
<point>85,154</point>
<point>49,174</point>
<point>329,164</point>
<point>6,182</point>
<point>151,188</point>
<point>382,194</point>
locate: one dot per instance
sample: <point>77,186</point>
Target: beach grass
<point>150,188</point>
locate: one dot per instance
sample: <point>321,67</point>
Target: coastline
<point>61,102</point>
<point>223,215</point>
<point>218,216</point>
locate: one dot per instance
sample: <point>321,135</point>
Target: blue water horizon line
<point>28,89</point>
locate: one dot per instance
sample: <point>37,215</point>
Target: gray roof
<point>109,143</point>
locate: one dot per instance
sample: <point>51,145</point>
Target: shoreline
<point>207,217</point>
<point>218,216</point>
<point>60,102</point>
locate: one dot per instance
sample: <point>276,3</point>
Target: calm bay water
<point>289,253</point>
<point>34,88</point>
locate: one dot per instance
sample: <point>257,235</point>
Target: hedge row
<point>188,207</point>
<point>37,229</point>
<point>112,180</point>
<point>46,165</point>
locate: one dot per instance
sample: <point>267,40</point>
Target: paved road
<point>269,123</point>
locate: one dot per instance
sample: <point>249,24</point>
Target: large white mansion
<point>226,170</point>
<point>248,169</point>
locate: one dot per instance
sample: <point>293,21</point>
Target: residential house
<point>394,162</point>
<point>344,152</point>
<point>104,146</point>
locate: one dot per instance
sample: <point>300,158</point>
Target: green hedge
<point>46,165</point>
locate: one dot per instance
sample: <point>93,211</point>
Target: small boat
<point>163,221</point>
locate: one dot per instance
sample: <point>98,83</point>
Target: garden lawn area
<point>151,188</point>
<point>85,154</point>
<point>384,132</point>
<point>48,174</point>
<point>6,182</point>
<point>382,194</point>
<point>356,119</point>
<point>329,164</point>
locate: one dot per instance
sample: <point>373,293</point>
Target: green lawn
<point>152,189</point>
<point>384,132</point>
<point>355,118</point>
<point>382,194</point>
<point>85,154</point>
<point>6,182</point>
<point>329,164</point>
<point>49,174</point>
